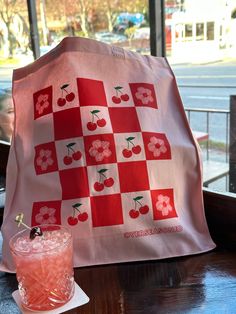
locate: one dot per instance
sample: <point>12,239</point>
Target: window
<point>188,31</point>
<point>200,31</point>
<point>210,31</point>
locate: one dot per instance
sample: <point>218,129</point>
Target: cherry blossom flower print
<point>45,158</point>
<point>157,146</point>
<point>100,150</point>
<point>144,94</point>
<point>46,215</point>
<point>46,212</point>
<point>163,204</point>
<point>42,102</point>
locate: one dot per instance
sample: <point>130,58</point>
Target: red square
<point>67,124</point>
<point>74,183</point>
<point>91,92</point>
<point>46,213</point>
<point>133,176</point>
<point>156,146</point>
<point>124,120</point>
<point>163,204</point>
<point>143,95</point>
<point>45,159</point>
<point>106,210</point>
<point>100,149</point>
<point>42,102</point>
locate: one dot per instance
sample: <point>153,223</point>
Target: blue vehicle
<point>134,18</point>
<point>126,20</point>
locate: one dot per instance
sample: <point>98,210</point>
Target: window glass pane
<point>210,31</point>
<point>200,31</point>
<point>200,45</point>
<point>14,52</point>
<point>188,30</point>
<point>206,78</point>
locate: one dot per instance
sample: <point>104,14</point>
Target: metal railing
<point>209,112</point>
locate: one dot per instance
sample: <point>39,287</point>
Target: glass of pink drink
<point>44,267</point>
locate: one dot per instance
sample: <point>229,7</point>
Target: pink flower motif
<point>156,146</point>
<point>163,204</point>
<point>42,103</point>
<point>100,150</point>
<point>46,216</point>
<point>144,94</point>
<point>44,159</point>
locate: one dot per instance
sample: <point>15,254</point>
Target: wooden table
<point>203,283</point>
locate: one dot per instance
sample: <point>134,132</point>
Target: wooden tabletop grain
<point>204,283</point>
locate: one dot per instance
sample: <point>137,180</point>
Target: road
<point>207,86</point>
<point>200,86</point>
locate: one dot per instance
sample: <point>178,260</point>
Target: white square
<point>129,147</point>
<point>70,153</point>
<point>103,179</point>
<point>95,120</point>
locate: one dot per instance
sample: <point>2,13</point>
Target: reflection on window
<point>188,30</point>
<point>200,31</point>
<point>210,31</point>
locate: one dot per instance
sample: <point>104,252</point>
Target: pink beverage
<point>44,267</point>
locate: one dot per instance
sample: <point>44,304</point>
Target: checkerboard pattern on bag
<point>102,154</point>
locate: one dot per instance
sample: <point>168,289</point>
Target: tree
<point>9,17</point>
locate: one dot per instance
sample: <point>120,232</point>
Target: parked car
<point>109,38</point>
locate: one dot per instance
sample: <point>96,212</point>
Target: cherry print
<point>134,213</point>
<point>109,182</point>
<point>124,97</point>
<point>76,155</point>
<point>101,122</point>
<point>98,186</point>
<point>127,153</point>
<point>61,102</point>
<point>116,99</point>
<point>91,125</point>
<point>103,181</point>
<point>136,149</point>
<point>72,220</point>
<point>68,98</point>
<point>67,160</point>
<point>143,209</point>
<point>82,216</point>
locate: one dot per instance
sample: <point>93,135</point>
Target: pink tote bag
<point>102,145</point>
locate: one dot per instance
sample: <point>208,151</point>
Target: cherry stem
<point>70,148</point>
<point>96,115</point>
<point>139,203</point>
<point>65,90</point>
<point>102,174</point>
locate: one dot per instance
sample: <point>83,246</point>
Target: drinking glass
<point>44,267</point>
